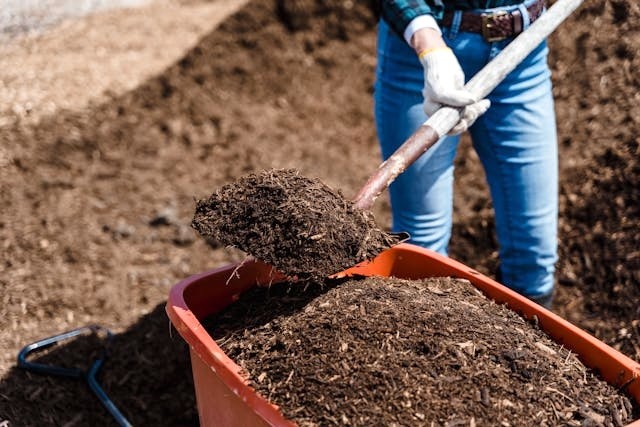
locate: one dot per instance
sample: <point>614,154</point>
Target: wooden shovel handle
<point>443,120</point>
<point>421,140</point>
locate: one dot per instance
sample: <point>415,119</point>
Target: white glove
<point>444,85</point>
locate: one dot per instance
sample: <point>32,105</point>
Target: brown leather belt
<point>497,25</point>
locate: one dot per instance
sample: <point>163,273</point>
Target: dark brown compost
<point>297,224</point>
<point>385,351</point>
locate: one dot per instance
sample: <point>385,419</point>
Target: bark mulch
<point>297,224</point>
<point>383,351</point>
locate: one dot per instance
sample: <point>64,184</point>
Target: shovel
<point>291,229</point>
<point>443,120</point>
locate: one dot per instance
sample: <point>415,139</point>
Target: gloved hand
<point>444,85</point>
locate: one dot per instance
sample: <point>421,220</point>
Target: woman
<point>425,50</point>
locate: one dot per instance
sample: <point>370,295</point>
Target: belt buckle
<point>488,22</point>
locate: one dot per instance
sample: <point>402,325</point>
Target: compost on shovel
<point>297,224</point>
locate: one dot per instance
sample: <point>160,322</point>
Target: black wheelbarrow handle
<point>89,376</point>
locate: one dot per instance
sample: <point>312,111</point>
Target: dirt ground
<point>100,171</point>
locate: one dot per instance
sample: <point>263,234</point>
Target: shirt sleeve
<point>398,14</point>
<point>418,23</point>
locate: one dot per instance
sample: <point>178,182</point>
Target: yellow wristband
<point>426,52</point>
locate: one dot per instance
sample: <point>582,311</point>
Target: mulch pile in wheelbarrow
<point>297,224</point>
<point>382,351</point>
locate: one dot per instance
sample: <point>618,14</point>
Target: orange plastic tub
<point>224,397</point>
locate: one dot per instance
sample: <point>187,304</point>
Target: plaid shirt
<point>399,13</point>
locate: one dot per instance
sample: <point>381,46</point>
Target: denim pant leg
<point>516,142</point>
<point>421,197</point>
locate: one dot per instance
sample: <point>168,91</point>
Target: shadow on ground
<point>147,375</point>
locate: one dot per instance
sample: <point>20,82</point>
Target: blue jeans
<point>515,141</point>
